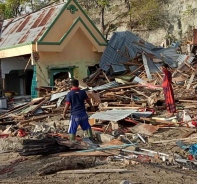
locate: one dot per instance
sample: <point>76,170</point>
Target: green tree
<point>14,8</point>
<point>103,4</point>
<point>146,13</point>
<point>38,4</point>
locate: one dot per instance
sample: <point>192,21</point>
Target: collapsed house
<point>130,109</point>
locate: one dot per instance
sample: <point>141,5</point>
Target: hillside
<point>179,20</point>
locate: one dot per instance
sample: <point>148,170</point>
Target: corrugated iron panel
<point>183,58</point>
<point>169,55</point>
<point>118,68</point>
<point>25,23</point>
<point>105,86</point>
<point>39,19</point>
<point>14,28</point>
<point>40,34</point>
<point>121,41</point>
<point>112,115</point>
<point>47,17</point>
<point>28,28</point>
<point>127,40</point>
<point>23,39</point>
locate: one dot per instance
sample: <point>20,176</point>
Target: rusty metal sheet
<point>28,28</point>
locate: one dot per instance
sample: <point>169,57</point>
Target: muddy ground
<point>141,173</point>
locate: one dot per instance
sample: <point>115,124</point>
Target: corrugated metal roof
<point>105,86</point>
<point>152,66</point>
<point>119,42</point>
<point>118,68</point>
<point>28,28</point>
<point>182,58</point>
<point>169,55</point>
<point>112,115</point>
<point>127,40</point>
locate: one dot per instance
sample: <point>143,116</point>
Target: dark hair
<point>165,65</point>
<point>75,82</point>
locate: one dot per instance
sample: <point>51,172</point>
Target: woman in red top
<point>168,91</point>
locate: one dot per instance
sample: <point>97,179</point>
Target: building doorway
<point>18,82</point>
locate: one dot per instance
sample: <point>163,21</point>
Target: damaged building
<point>56,42</point>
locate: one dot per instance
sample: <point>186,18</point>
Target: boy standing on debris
<point>168,91</point>
<point>76,98</point>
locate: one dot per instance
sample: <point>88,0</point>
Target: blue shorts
<point>77,120</point>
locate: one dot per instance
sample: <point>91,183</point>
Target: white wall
<point>15,63</point>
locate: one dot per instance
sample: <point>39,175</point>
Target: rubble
<point>129,123</point>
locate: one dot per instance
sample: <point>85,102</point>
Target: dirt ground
<point>143,173</point>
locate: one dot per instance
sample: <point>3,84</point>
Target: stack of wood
<point>61,85</point>
<point>97,78</point>
<point>147,91</point>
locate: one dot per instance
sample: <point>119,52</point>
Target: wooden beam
<point>173,140</point>
<point>94,154</point>
<point>120,108</point>
<point>27,64</point>
<point>106,77</point>
<point>40,104</point>
<point>191,80</point>
<point>94,171</point>
<point>33,119</point>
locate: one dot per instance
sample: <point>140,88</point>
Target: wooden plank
<point>48,106</point>
<point>136,70</point>
<point>123,87</point>
<point>106,77</point>
<point>94,171</point>
<point>174,140</point>
<point>190,101</point>
<point>188,133</point>
<point>120,108</point>
<point>32,119</point>
<point>161,78</point>
<point>191,80</point>
<point>94,154</point>
<point>27,64</point>
<point>157,120</point>
<point>188,65</point>
<point>40,104</point>
<point>96,75</point>
<point>138,92</point>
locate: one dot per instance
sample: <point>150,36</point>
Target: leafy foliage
<point>146,13</point>
<point>14,8</point>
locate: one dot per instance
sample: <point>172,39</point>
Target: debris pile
<point>129,124</point>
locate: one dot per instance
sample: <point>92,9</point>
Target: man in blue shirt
<point>76,98</point>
